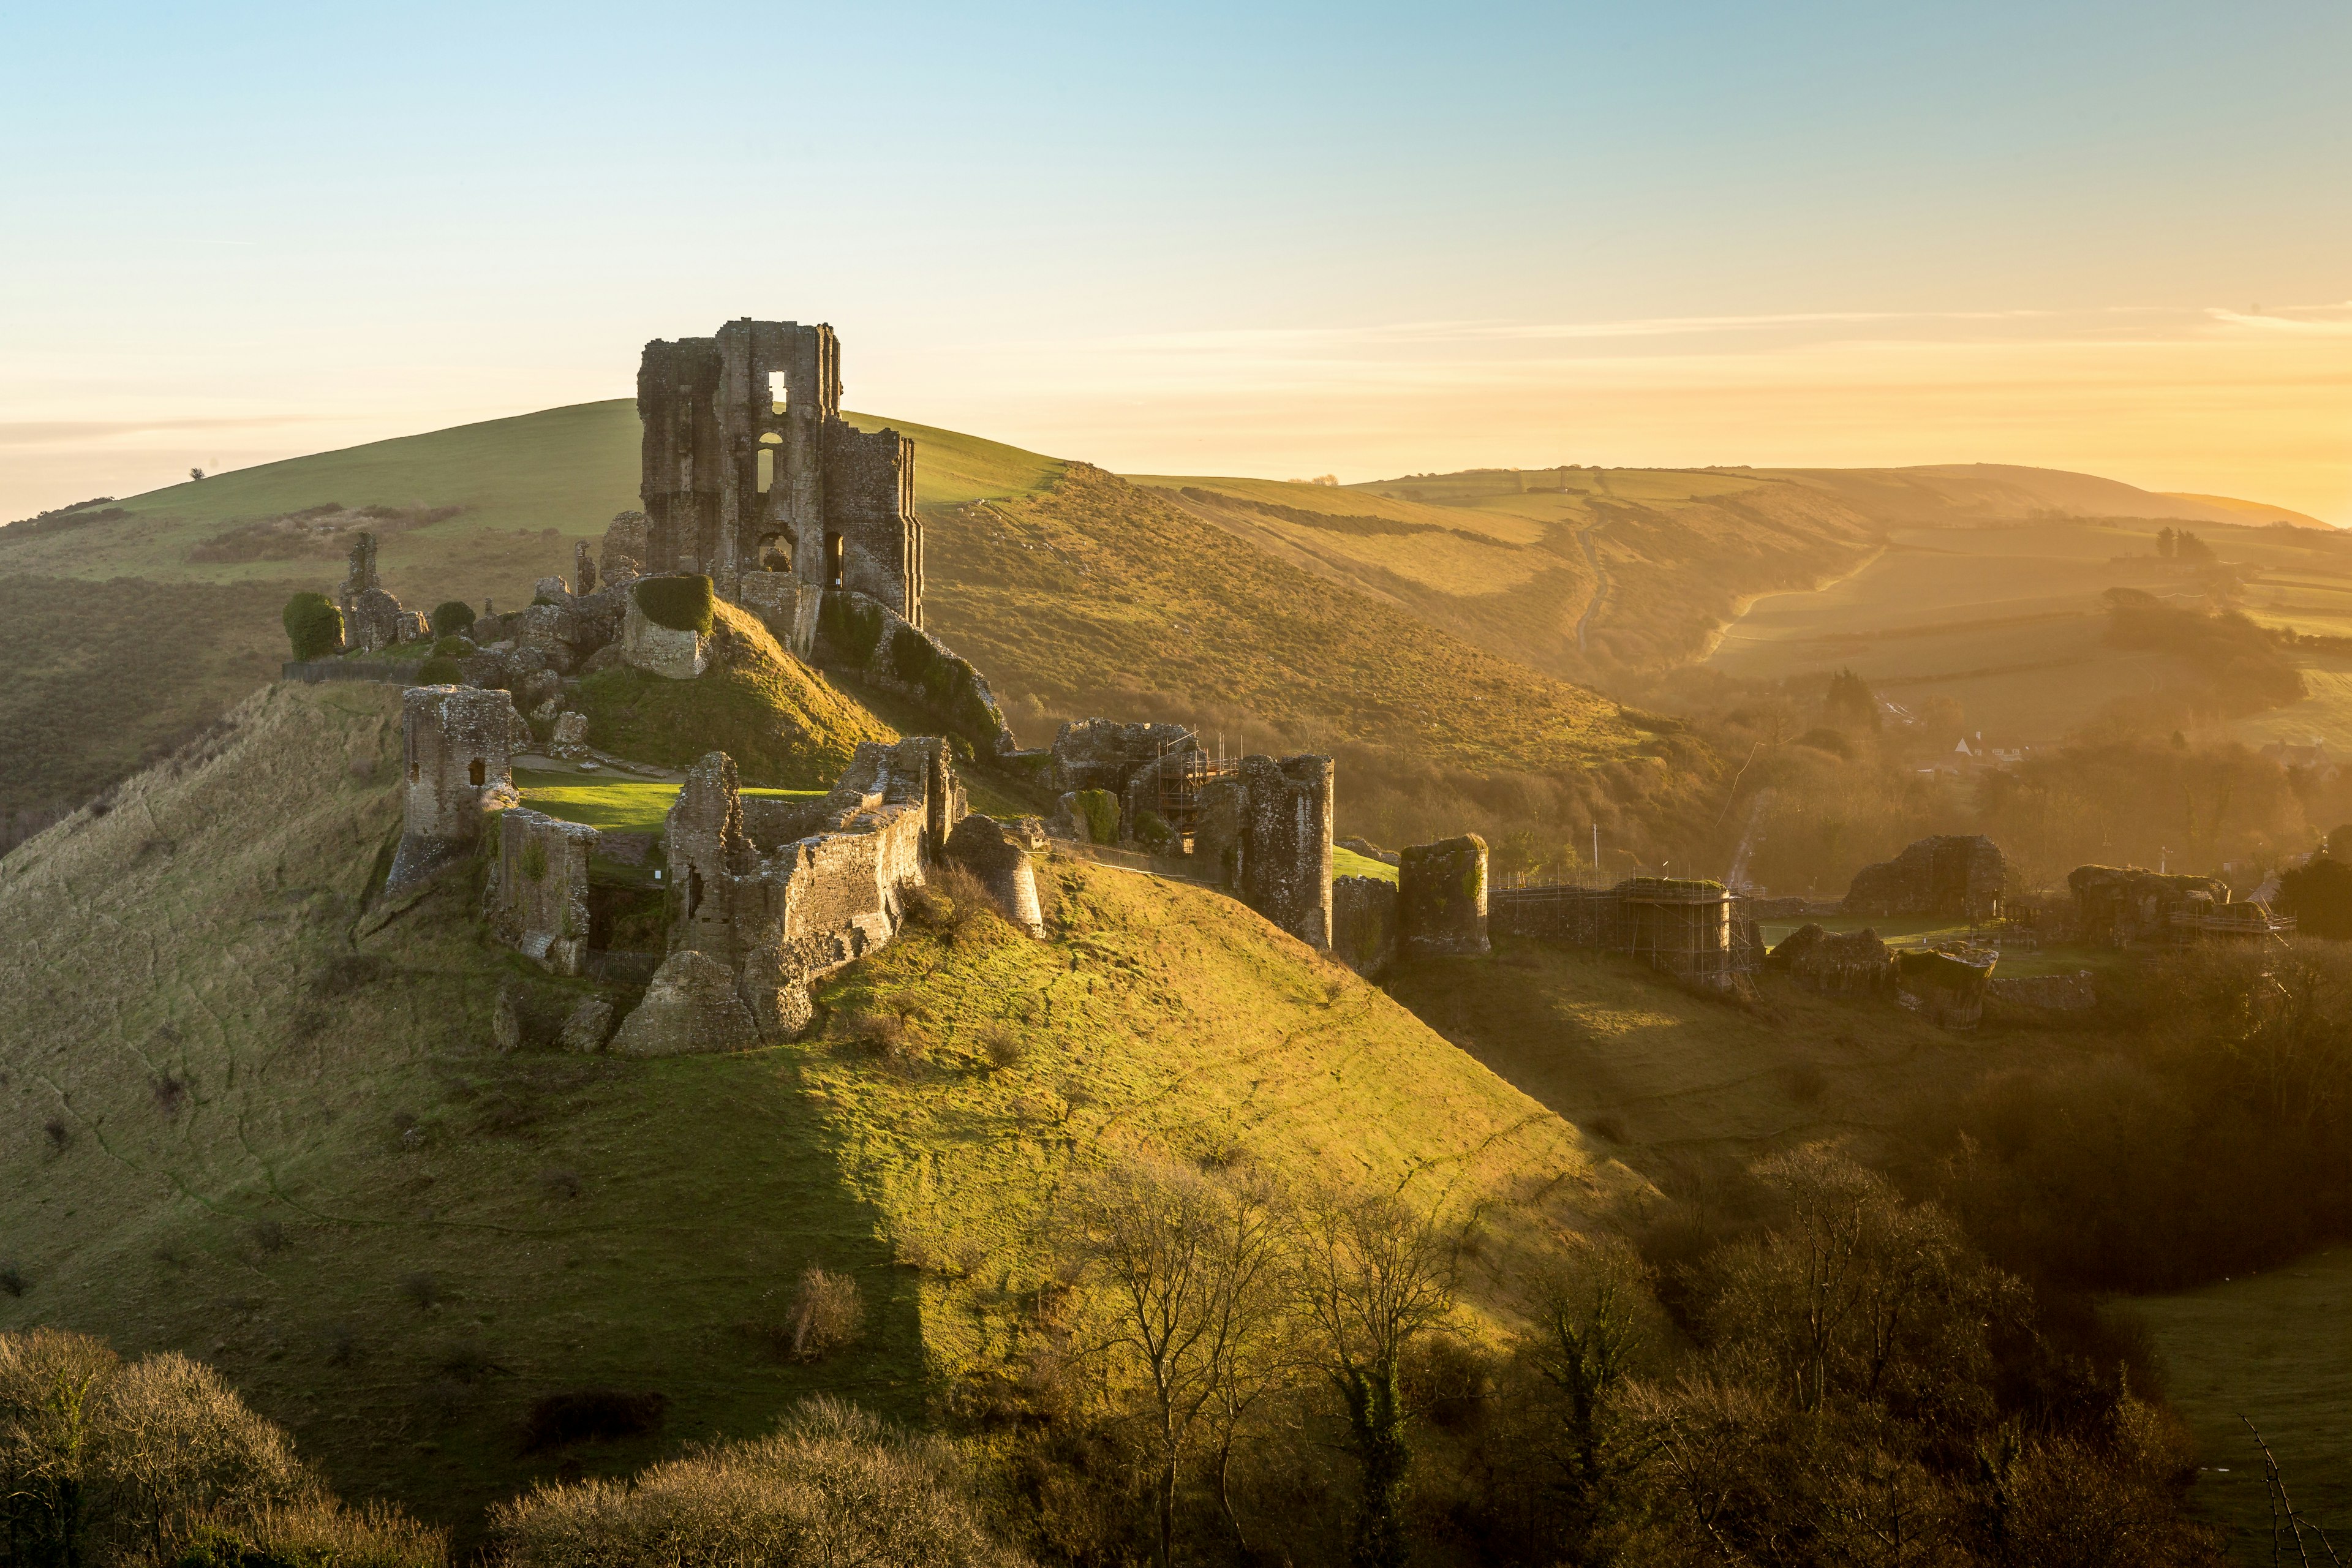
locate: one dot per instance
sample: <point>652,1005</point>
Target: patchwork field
<point>2007,621</point>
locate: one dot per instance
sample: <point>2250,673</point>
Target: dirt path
<point>1599,585</point>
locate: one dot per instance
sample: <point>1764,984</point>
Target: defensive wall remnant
<point>2123,904</point>
<point>1681,926</point>
<point>753,925</point>
<point>1266,829</point>
<point>1364,924</point>
<point>1442,897</point>
<point>751,477</point>
<point>1955,876</point>
<point>372,618</point>
<point>536,901</point>
<point>455,742</point>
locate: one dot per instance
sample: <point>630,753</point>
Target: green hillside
<point>2277,1349</point>
<point>260,1126</point>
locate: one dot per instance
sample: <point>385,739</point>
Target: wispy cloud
<point>69,432</point>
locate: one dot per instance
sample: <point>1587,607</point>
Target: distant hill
<point>250,1124</point>
<point>1070,589</point>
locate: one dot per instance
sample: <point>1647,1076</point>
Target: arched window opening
<point>776,553</point>
<point>779,396</point>
<point>834,560</point>
<point>479,772</point>
<point>693,891</point>
<point>767,469</point>
<point>412,773</point>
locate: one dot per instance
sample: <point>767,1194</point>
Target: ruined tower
<point>455,745</point>
<point>751,477</point>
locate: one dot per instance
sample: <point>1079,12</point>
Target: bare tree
<point>1186,1267</point>
<point>1593,1322</point>
<point>1373,1274</point>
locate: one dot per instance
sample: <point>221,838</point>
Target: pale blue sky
<point>1271,239</point>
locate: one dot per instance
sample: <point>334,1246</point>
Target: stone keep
<point>751,476</point>
<point>1442,896</point>
<point>455,742</point>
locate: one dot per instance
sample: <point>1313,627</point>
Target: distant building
<point>2312,753</point>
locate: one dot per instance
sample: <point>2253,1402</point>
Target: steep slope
<point>249,1122</point>
<point>784,724</point>
<point>1098,592</point>
<point>1577,572</point>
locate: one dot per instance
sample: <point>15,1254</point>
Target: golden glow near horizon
<point>2254,401</point>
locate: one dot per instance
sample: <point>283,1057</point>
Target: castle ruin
<point>455,742</point>
<point>751,477</point>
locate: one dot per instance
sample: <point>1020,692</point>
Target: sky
<point>1270,239</point>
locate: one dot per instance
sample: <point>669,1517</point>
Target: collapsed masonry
<point>2123,904</point>
<point>751,477</point>
<point>1259,826</point>
<point>1952,875</point>
<point>372,618</point>
<point>1947,985</point>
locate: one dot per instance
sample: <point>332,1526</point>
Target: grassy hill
<point>2276,1349</point>
<point>252,1120</point>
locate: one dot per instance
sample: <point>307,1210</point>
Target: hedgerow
<point>681,603</point>
<point>313,626</point>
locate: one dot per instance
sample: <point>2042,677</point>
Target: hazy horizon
<point>1362,242</point>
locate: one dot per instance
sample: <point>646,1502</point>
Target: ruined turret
<point>1442,897</point>
<point>455,742</point>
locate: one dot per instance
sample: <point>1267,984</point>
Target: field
<point>2277,1349</point>
<point>2007,621</point>
<point>258,1120</point>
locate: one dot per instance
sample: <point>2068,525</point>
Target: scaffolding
<point>2204,920</point>
<point>1182,771</point>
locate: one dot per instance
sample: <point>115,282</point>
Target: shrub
<point>313,626</point>
<point>314,1533</point>
<point>1100,808</point>
<point>591,1416</point>
<point>451,617</point>
<point>421,1289</point>
<point>1151,830</point>
<point>1003,1046</point>
<point>831,1484</point>
<point>453,647</point>
<point>826,1314</point>
<point>681,603</point>
<point>440,671</point>
<point>11,1280</point>
<point>534,860</point>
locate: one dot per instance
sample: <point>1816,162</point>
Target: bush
<point>1151,830</point>
<point>831,1485</point>
<point>826,1314</point>
<point>440,671</point>
<point>451,617</point>
<point>453,647</point>
<point>1099,809</point>
<point>681,603</point>
<point>312,1535</point>
<point>313,626</point>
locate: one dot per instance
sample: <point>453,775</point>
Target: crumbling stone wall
<point>1442,897</point>
<point>836,508</point>
<point>2123,904</point>
<point>2064,992</point>
<point>538,897</point>
<point>1364,924</point>
<point>671,652</point>
<point>455,746</point>
<point>1958,877</point>
<point>1103,754</point>
<point>753,927</point>
<point>1848,963</point>
<point>999,858</point>
<point>372,618</point>
<point>1266,833</point>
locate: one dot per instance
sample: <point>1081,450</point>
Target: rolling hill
<point>1069,587</point>
<point>256,1117</point>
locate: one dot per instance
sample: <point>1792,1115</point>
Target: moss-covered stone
<point>853,628</point>
<point>1100,809</point>
<point>440,671</point>
<point>681,603</point>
